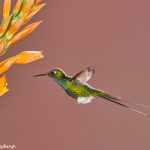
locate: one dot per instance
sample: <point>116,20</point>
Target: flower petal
<point>15,26</point>
<point>3,85</point>
<point>4,27</point>
<point>17,6</point>
<point>28,56</point>
<point>6,9</point>
<point>33,11</point>
<point>27,7</point>
<point>2,45</point>
<point>21,58</point>
<point>26,31</point>
<point>6,64</point>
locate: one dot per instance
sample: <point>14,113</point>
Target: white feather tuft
<point>84,100</point>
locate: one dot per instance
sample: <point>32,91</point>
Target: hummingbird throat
<point>61,82</point>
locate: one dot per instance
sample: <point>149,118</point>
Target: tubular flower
<point>23,11</point>
<point>10,33</point>
<point>27,30</point>
<point>6,9</point>
<point>21,58</point>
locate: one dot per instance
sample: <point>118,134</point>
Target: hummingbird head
<point>55,74</point>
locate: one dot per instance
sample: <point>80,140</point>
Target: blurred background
<point>111,36</point>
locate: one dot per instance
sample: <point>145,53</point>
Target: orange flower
<point>21,58</point>
<point>28,56</point>
<point>26,31</point>
<point>3,85</point>
<point>23,11</point>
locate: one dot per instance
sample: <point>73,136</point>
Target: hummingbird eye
<point>53,73</point>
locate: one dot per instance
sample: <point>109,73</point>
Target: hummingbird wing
<point>83,76</point>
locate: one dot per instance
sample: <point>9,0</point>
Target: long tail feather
<point>125,101</point>
<point>128,107</point>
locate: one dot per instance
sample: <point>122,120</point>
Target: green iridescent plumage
<point>73,88</point>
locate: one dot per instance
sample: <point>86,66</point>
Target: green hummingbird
<point>77,88</point>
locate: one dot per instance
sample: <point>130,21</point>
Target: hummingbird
<point>77,88</point>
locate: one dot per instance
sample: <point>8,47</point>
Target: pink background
<point>111,36</point>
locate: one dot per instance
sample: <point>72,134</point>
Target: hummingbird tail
<point>118,101</point>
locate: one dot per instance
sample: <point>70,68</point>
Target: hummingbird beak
<point>38,75</point>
